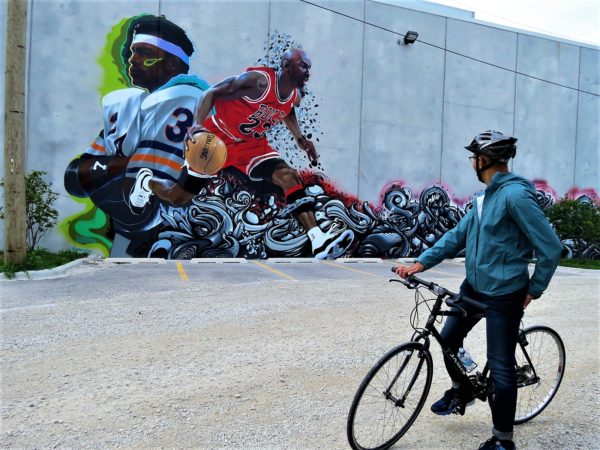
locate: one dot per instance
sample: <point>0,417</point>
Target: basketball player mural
<point>246,108</point>
<point>144,129</point>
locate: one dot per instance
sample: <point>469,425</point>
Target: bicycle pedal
<point>459,410</point>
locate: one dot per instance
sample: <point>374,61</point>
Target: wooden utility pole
<point>15,220</point>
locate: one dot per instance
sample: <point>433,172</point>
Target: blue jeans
<point>502,331</point>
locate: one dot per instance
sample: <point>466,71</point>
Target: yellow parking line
<point>343,266</point>
<point>270,269</point>
<point>181,270</point>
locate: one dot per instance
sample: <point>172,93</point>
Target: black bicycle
<point>394,391</point>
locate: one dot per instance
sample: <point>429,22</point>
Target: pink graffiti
<point>572,194</point>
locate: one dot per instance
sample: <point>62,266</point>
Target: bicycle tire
<point>406,369</point>
<point>547,354</point>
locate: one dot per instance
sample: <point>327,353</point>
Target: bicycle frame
<point>476,382</point>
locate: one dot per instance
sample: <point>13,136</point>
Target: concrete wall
<point>387,112</point>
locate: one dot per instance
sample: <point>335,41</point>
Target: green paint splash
<point>88,228</point>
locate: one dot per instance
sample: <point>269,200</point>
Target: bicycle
<point>392,394</point>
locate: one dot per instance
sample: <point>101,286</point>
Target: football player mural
<point>155,184</point>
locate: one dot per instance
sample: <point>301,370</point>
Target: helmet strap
<point>479,171</point>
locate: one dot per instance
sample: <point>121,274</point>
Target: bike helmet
<point>495,145</point>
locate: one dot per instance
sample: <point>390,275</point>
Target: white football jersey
<point>121,113</point>
<point>121,117</point>
<point>165,117</point>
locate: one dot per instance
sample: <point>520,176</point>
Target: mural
<point>141,198</point>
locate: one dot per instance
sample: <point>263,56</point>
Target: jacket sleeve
<point>530,218</point>
<point>449,244</point>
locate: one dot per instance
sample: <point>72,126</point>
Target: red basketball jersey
<point>246,119</point>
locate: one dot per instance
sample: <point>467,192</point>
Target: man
<point>144,130</point>
<point>246,108</point>
<point>500,233</point>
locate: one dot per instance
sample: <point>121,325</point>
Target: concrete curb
<point>48,274</point>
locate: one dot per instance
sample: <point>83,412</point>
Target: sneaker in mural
<point>330,244</point>
<point>140,194</point>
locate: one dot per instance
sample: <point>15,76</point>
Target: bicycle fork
<point>388,392</point>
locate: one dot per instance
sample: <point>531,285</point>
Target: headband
<point>162,44</point>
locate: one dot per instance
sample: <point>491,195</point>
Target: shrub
<point>39,205</point>
<point>578,221</point>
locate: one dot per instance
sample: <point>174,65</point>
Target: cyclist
<point>500,233</point>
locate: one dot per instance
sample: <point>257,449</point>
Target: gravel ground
<point>257,363</point>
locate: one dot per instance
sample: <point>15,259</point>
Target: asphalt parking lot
<point>243,354</point>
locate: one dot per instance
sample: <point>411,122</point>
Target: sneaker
<point>330,244</point>
<point>450,402</point>
<point>140,194</point>
<point>496,444</point>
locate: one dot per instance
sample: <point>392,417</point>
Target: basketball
<point>207,155</point>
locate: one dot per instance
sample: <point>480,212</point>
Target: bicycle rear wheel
<point>390,397</point>
<point>539,377</point>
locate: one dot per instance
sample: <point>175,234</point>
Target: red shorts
<point>243,155</point>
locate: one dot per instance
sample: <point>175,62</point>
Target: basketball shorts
<point>246,156</point>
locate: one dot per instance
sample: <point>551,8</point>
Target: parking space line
<point>341,266</point>
<point>182,273</point>
<point>275,271</point>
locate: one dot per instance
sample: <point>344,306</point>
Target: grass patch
<point>581,264</point>
<point>39,259</point>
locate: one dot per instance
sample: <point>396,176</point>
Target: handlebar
<point>411,282</point>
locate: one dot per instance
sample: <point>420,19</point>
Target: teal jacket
<point>500,244</point>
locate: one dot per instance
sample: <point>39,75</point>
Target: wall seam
<point>514,121</point>
<point>443,101</point>
<point>29,48</point>
<point>269,31</point>
<point>573,184</point>
<point>362,82</point>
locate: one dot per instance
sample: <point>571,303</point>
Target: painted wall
<point>391,120</point>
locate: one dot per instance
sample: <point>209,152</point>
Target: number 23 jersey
<point>245,119</point>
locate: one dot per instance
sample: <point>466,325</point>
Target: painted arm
<point>291,122</point>
<point>170,191</point>
<point>248,84</point>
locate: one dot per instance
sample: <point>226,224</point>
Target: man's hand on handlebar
<point>406,271</point>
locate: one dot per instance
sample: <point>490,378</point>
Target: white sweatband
<point>193,173</point>
<point>167,46</point>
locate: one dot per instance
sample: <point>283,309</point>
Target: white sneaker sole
<point>337,247</point>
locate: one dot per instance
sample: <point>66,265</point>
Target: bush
<point>40,259</point>
<point>578,221</point>
<point>39,204</point>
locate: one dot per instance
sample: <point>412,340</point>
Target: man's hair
<point>161,27</point>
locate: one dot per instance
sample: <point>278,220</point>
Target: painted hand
<point>194,129</point>
<point>309,148</point>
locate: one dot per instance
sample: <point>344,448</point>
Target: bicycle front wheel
<point>390,397</point>
<point>540,368</point>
